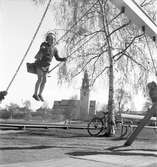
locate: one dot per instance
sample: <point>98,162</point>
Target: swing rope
<point>150,53</point>
<point>56,41</point>
<point>4,93</point>
<point>73,52</point>
<point>29,45</point>
<point>154,39</point>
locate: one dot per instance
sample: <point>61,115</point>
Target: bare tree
<point>104,43</point>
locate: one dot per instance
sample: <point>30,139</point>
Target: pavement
<point>69,150</point>
<point>123,159</point>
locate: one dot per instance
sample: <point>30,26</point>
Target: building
<point>82,109</point>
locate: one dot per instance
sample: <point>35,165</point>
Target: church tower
<point>84,98</point>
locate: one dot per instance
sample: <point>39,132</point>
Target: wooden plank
<point>44,126</point>
<point>137,16</point>
<point>133,116</point>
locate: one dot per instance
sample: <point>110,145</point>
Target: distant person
<point>43,59</point>
<point>152,88</point>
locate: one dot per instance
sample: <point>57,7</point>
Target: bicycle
<point>97,125</point>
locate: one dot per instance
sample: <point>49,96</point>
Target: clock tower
<point>84,97</point>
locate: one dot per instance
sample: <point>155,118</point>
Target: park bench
<point>130,121</point>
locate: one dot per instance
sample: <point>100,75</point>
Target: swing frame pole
<point>143,122</point>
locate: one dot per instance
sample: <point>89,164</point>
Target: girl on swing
<point>43,59</point>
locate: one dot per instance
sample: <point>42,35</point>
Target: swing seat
<point>31,68</point>
<point>2,95</point>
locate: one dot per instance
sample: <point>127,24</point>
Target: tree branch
<point>94,66</point>
<point>107,67</point>
<point>88,63</point>
<point>124,25</point>
<point>123,51</point>
<point>128,56</point>
<point>82,69</point>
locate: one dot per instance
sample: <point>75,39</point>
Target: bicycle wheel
<point>124,131</point>
<point>95,126</point>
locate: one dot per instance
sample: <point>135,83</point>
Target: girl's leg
<point>38,83</point>
<point>42,86</point>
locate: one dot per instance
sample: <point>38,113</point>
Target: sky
<point>18,22</point>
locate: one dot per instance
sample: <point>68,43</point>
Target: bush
<point>4,114</point>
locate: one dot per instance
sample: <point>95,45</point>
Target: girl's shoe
<point>41,98</point>
<point>36,97</point>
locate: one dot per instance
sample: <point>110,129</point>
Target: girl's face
<point>50,40</point>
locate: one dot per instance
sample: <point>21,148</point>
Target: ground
<point>66,147</point>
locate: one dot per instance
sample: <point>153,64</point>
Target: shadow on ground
<point>66,133</point>
<point>121,152</point>
<point>40,147</point>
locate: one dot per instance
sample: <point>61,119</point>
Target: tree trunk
<point>111,119</point>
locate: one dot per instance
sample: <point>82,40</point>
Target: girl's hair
<point>151,85</point>
<point>50,34</point>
